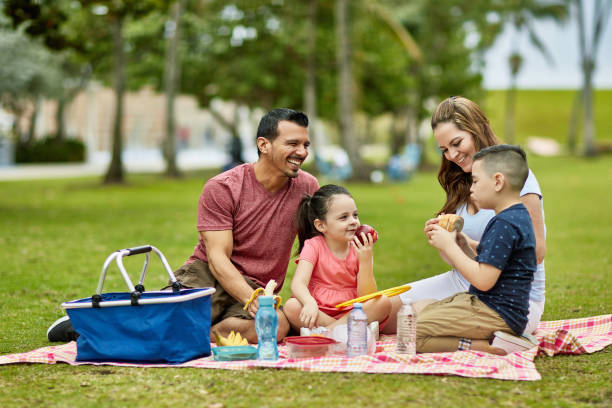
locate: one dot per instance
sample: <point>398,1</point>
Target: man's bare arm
<point>219,246</point>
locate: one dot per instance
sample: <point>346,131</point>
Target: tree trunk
<point>572,128</point>
<point>115,172</point>
<point>60,118</point>
<point>345,90</point>
<point>589,122</point>
<point>236,143</point>
<point>397,136</point>
<point>588,64</point>
<point>510,107</point>
<point>310,88</point>
<point>33,120</point>
<point>171,75</point>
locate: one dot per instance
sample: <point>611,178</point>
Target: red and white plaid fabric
<point>577,336</point>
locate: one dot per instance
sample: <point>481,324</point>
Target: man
<point>246,223</point>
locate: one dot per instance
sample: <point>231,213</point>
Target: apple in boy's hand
<point>365,228</point>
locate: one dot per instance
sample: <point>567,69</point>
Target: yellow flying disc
<point>387,292</point>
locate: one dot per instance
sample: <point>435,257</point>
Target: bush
<point>50,150</point>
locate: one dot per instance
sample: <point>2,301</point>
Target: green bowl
<point>234,353</point>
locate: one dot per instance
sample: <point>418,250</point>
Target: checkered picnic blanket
<point>577,336</point>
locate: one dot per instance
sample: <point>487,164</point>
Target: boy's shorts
<point>461,315</point>
<point>197,274</point>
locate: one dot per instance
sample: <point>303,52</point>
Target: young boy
<point>500,275</point>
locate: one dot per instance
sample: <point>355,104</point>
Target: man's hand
<point>253,307</point>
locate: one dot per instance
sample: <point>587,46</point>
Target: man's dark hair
<point>509,160</point>
<point>268,125</point>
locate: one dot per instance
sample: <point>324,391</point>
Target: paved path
<point>134,162</point>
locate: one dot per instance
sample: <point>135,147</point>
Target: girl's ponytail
<point>305,222</point>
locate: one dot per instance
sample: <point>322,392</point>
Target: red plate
<point>309,340</point>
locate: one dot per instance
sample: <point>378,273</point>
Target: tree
<point>454,35</point>
<point>116,13</point>
<point>522,16</point>
<point>61,76</point>
<point>588,54</point>
<point>85,26</point>
<point>171,75</point>
<point>310,86</point>
<point>346,108</point>
<point>28,73</point>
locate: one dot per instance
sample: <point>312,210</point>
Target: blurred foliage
<point>49,150</point>
<point>254,52</point>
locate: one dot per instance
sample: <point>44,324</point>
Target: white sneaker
<point>512,344</point>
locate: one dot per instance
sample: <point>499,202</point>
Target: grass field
<point>546,113</point>
<point>55,235</point>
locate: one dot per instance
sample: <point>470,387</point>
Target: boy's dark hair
<point>313,207</point>
<point>268,125</point>
<point>510,160</point>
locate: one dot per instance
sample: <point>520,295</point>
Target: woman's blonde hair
<point>467,116</point>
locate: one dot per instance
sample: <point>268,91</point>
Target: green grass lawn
<point>546,113</point>
<point>55,235</point>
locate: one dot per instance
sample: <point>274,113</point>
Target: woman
<point>461,129</point>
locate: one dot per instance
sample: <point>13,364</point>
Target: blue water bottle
<point>357,344</point>
<point>266,325</point>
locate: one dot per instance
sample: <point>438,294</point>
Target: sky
<point>562,42</point>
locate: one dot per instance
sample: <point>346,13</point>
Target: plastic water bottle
<point>266,326</point>
<point>357,343</point>
<point>406,329</point>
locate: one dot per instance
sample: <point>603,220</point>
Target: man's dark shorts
<point>197,274</point>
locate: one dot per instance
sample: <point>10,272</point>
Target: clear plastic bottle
<point>406,329</point>
<point>266,326</point>
<point>357,343</point>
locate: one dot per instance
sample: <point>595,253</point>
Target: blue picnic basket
<point>138,326</point>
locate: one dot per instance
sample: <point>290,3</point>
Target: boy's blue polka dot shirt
<point>508,243</point>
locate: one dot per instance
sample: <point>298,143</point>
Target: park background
<point>170,87</point>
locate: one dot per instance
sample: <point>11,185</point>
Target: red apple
<point>365,228</point>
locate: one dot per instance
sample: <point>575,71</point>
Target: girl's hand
<point>309,314</point>
<point>429,226</point>
<point>364,251</point>
<point>441,239</point>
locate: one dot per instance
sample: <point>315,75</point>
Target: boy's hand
<point>429,226</point>
<point>309,314</point>
<point>440,238</point>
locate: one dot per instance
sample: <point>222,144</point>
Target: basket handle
<point>135,291</point>
<point>138,250</point>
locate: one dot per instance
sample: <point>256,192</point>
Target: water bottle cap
<point>357,305</point>
<point>266,300</point>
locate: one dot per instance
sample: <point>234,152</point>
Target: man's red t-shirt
<point>263,224</point>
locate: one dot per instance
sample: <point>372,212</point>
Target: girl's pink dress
<point>333,280</point>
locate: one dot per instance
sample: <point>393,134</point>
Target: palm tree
<point>523,15</point>
<point>588,53</point>
<point>171,76</point>
<point>345,75</point>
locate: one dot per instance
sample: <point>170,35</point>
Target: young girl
<point>333,266</point>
